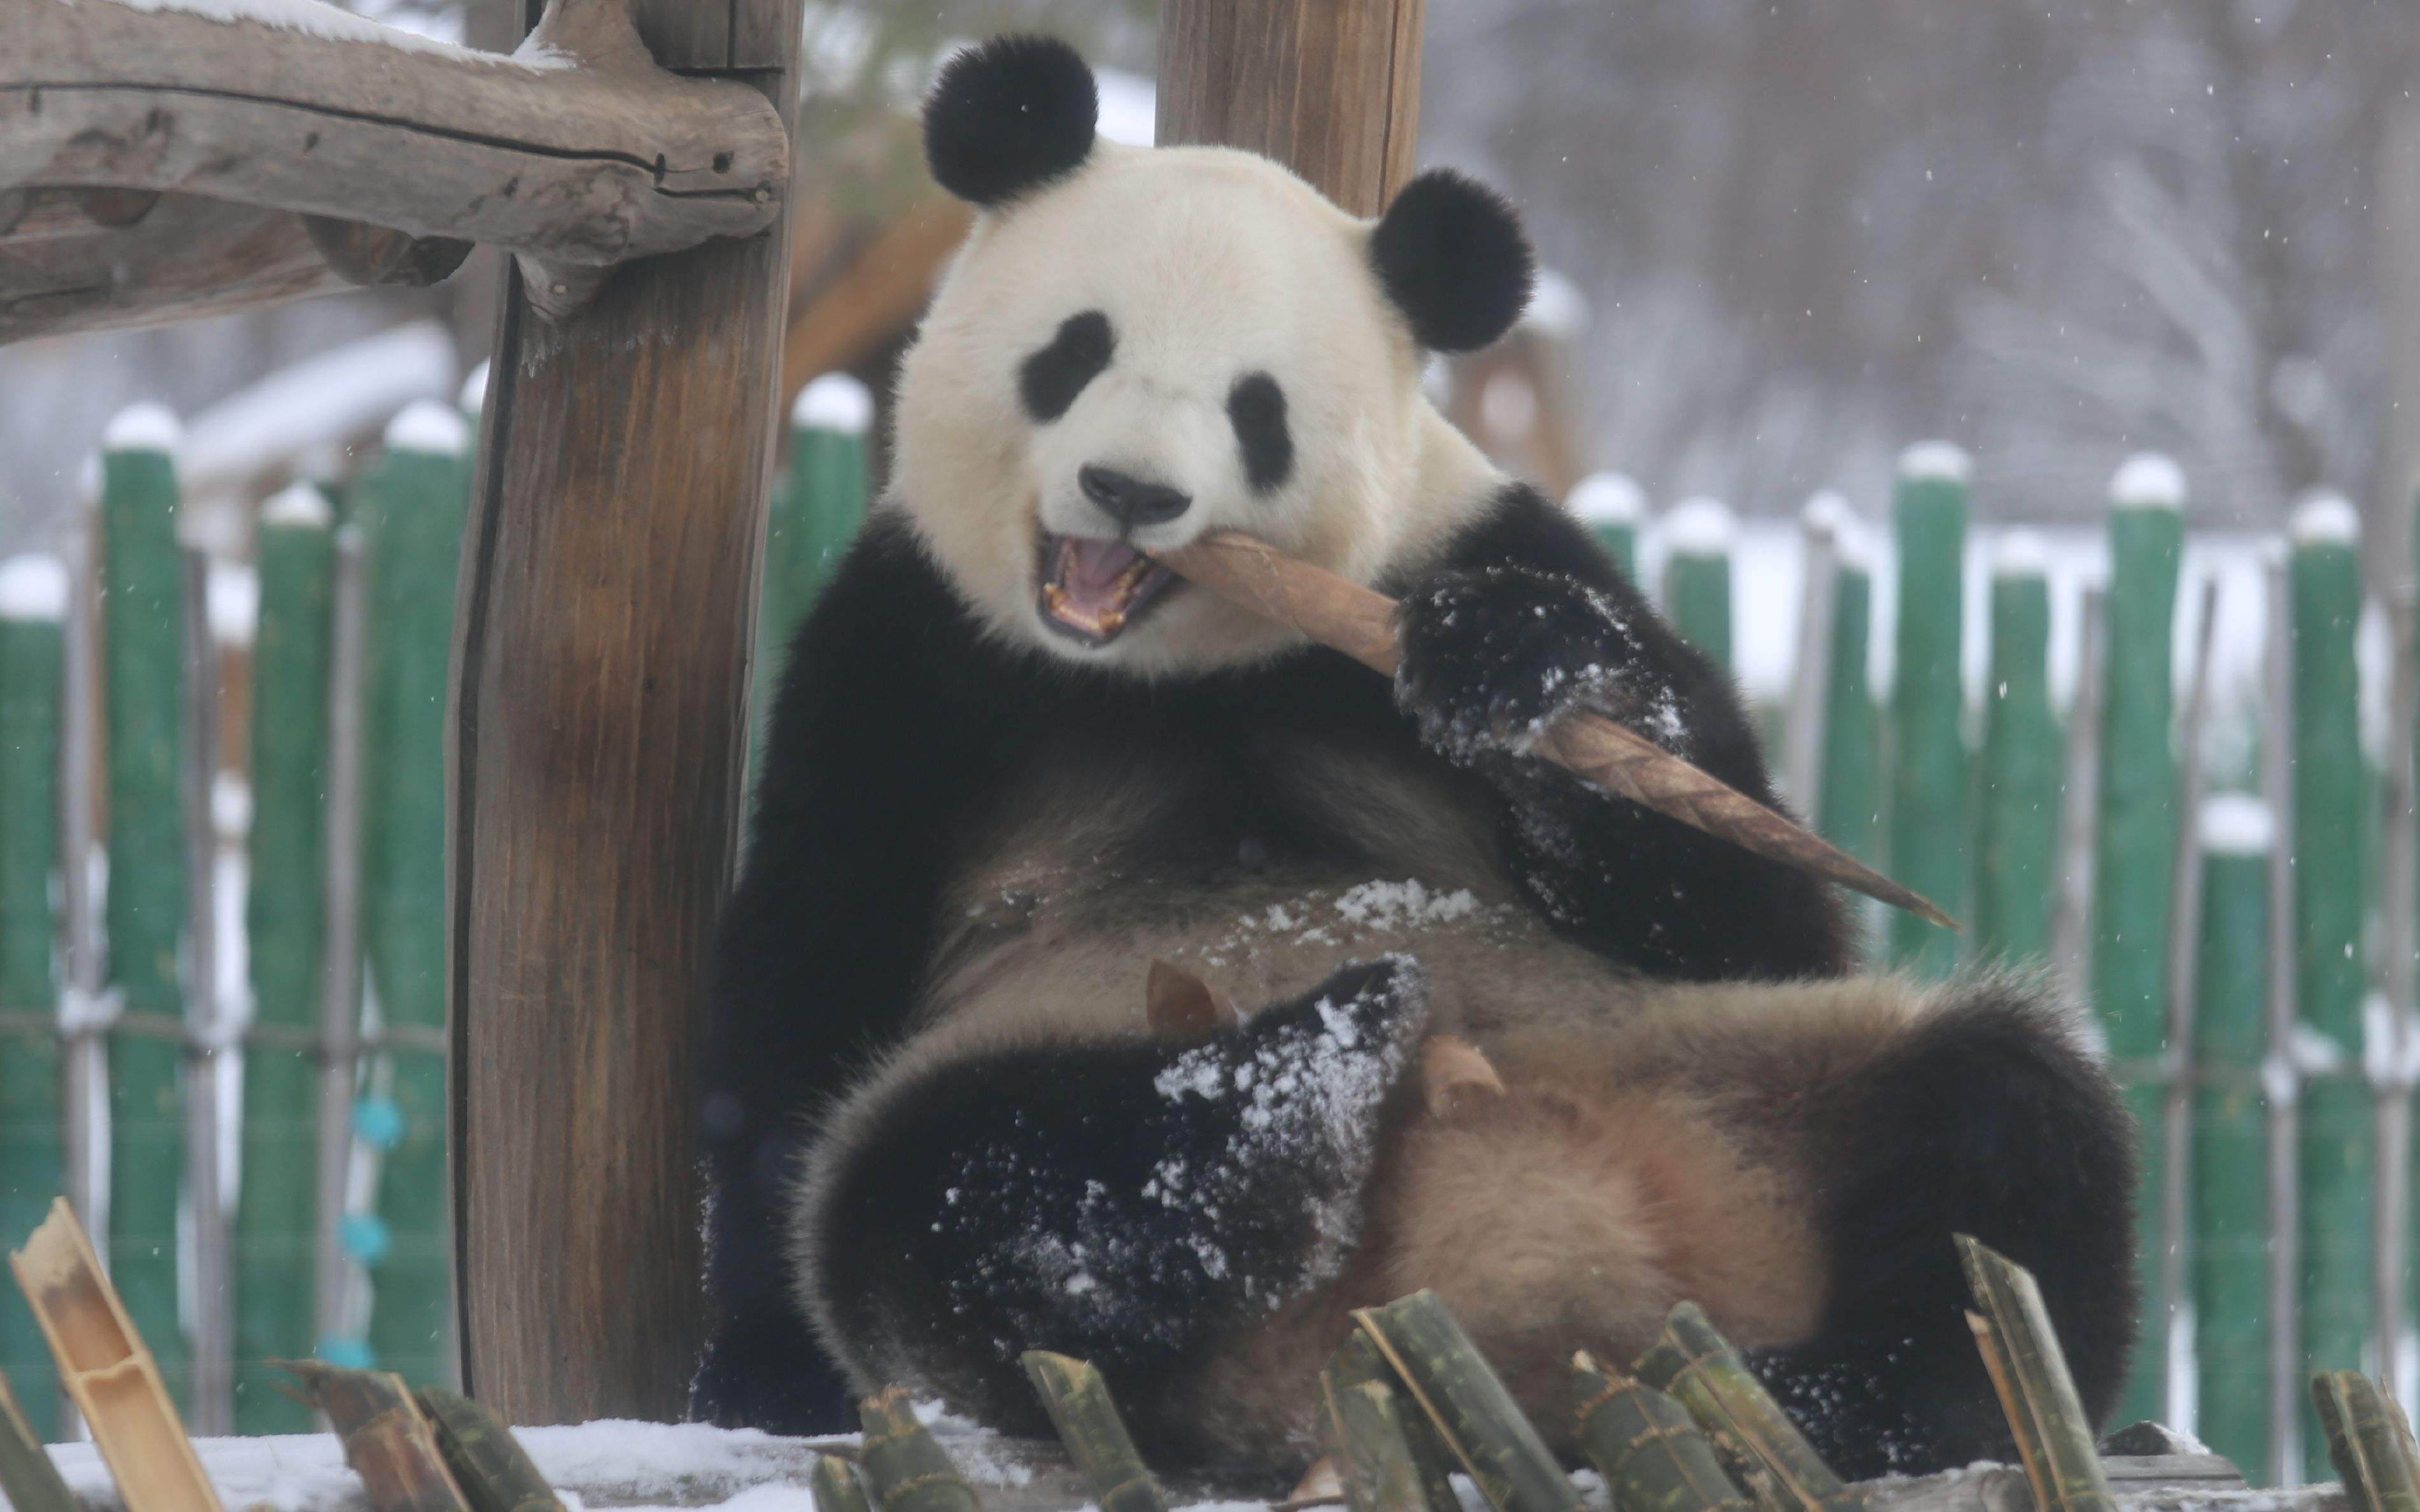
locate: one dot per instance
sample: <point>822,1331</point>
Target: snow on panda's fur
<point>1012,763</point>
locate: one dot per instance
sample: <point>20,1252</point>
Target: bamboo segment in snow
<point>387,1441</point>
<point>1473,1414</point>
<point>1756,1438</point>
<point>1355,1363</point>
<point>2055,1437</point>
<point>1077,1400</point>
<point>27,1478</point>
<point>110,1376</point>
<point>1359,621</point>
<point>836,1486</point>
<point>486,1461</point>
<point>905,1469</point>
<point>1928,760</point>
<point>1652,1453</point>
<point>2370,1441</point>
<point>1362,1427</point>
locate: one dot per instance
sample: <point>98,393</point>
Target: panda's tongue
<point>1092,572</point>
<point>1091,588</point>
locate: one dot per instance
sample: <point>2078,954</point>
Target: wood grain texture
<point>598,733</point>
<point>1331,89</point>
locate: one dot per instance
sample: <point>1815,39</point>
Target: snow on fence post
<point>410,505</point>
<point>33,606</point>
<point>2017,789</point>
<point>2229,1239</point>
<point>1614,509</point>
<point>1698,537</point>
<point>816,509</point>
<point>142,638</point>
<point>1928,822</point>
<point>2336,1134</point>
<point>277,1216</point>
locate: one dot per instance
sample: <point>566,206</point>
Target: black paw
<point>1491,657</point>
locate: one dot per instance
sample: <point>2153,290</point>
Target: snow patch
<point>2314,1054</point>
<point>232,595</point>
<point>1700,527</point>
<point>143,427</point>
<point>2325,518</point>
<point>2020,554</point>
<point>834,402</point>
<point>313,19</point>
<point>2148,480</point>
<point>1826,511</point>
<point>1607,499</point>
<point>1557,307</point>
<point>427,425</point>
<point>2237,823</point>
<point>33,586</point>
<point>1936,462</point>
<point>1129,107</point>
<point>299,505</point>
<point>474,396</point>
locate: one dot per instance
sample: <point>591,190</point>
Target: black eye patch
<point>1257,407</point>
<point>1050,380</point>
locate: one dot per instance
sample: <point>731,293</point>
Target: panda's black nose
<point>1131,500</point>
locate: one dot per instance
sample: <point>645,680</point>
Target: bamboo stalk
<point>1697,576</point>
<point>387,1441</point>
<point>27,1478</point>
<point>1357,1363</point>
<point>1181,1007</point>
<point>1364,1433</point>
<point>1652,1453</point>
<point>1756,1438</point>
<point>2016,822</point>
<point>1359,623</point>
<point>907,1470</point>
<point>836,1486</point>
<point>2370,1441</point>
<point>1079,1402</point>
<point>1926,756</point>
<point>2055,1437</point>
<point>486,1461</point>
<point>110,1376</point>
<point>1473,1414</point>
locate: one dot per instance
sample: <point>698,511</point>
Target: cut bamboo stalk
<point>836,1486</point>
<point>1652,1454</point>
<point>1473,1414</point>
<point>387,1441</point>
<point>1359,621</point>
<point>27,1478</point>
<point>486,1461</point>
<point>1363,1430</point>
<point>1183,1008</point>
<point>908,1470</point>
<point>1356,1362</point>
<point>2370,1441</point>
<point>1756,1439</point>
<point>2055,1437</point>
<point>1456,1076</point>
<point>112,1379</point>
<point>1077,1400</point>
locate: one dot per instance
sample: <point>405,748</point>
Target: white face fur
<point>1206,269</point>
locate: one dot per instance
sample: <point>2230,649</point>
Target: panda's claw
<point>1490,658</point>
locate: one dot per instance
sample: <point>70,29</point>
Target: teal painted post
<point>815,511</point>
<point>2017,828</point>
<point>2229,1242</point>
<point>142,635</point>
<point>2337,1137</point>
<point>410,505</point>
<point>1697,538</point>
<point>277,1215</point>
<point>33,1163</point>
<point>1614,510</point>
<point>1928,811</point>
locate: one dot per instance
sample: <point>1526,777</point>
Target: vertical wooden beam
<point>1331,90</point>
<point>598,731</point>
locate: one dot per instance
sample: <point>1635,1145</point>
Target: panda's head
<point>1136,346</point>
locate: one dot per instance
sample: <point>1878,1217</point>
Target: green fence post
<point>277,1215</point>
<point>142,635</point>
<point>411,504</point>
<point>2017,828</point>
<point>33,1163</point>
<point>1697,538</point>
<point>1927,821</point>
<point>815,510</point>
<point>2335,1106</point>
<point>2229,1239</point>
<point>1614,509</point>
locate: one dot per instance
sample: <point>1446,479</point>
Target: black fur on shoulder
<point>1454,259</point>
<point>1012,114</point>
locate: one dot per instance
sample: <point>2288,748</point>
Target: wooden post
<point>598,729</point>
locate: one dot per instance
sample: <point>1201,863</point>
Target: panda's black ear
<point>1454,259</point>
<point>1007,115</point>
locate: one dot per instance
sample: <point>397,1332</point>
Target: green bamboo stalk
<point>815,511</point>
<point>2055,1437</point>
<point>1850,812</point>
<point>486,1461</point>
<point>1756,1439</point>
<point>277,1213</point>
<point>33,1169</point>
<point>1652,1453</point>
<point>2231,1191</point>
<point>1697,538</point>
<point>905,1469</point>
<point>1362,1428</point>
<point>27,1478</point>
<point>411,504</point>
<point>1614,509</point>
<point>836,1486</point>
<point>2370,1441</point>
<point>2017,828</point>
<point>1079,1402</point>
<point>1356,1362</point>
<point>1473,1414</point>
<point>2336,1136</point>
<point>1928,810</point>
<point>142,616</point>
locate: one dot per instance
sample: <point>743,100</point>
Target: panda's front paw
<point>1490,658</point>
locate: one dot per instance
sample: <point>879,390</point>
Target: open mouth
<point>1092,590</point>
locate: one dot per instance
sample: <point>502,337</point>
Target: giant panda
<point>1013,761</point>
